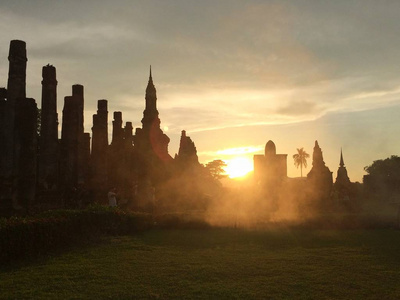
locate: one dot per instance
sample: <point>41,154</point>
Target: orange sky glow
<point>233,74</point>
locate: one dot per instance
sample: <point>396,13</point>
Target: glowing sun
<point>238,167</point>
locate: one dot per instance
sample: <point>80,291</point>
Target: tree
<point>384,176</point>
<point>300,159</point>
<point>216,168</point>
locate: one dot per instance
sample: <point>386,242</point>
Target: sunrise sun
<point>238,167</point>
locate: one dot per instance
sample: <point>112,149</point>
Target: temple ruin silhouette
<point>38,167</point>
<point>270,174</point>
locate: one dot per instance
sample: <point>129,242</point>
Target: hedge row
<point>33,236</point>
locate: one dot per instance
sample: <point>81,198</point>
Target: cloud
<point>234,151</point>
<point>221,68</point>
<point>235,54</point>
<point>298,108</point>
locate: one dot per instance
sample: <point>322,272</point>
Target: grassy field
<point>217,264</point>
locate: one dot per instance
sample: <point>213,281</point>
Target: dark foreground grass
<point>217,264</point>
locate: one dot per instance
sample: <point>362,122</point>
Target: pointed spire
<point>150,84</point>
<point>341,158</point>
<point>150,111</point>
<point>150,78</point>
<point>342,179</point>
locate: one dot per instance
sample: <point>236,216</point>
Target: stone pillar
<point>17,71</point>
<point>3,95</point>
<point>130,152</point>
<point>69,143</point>
<point>48,156</point>
<point>118,132</point>
<point>131,164</point>
<point>116,155</point>
<point>128,135</point>
<point>86,141</point>
<point>77,91</point>
<point>25,153</point>
<point>100,148</point>
<point>15,90</point>
<point>3,105</point>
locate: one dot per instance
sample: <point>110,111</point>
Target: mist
<point>245,204</point>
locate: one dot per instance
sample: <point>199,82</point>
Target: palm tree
<point>300,159</point>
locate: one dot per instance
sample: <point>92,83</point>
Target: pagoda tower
<point>154,140</point>
<point>151,146</point>
<point>320,177</point>
<point>342,183</point>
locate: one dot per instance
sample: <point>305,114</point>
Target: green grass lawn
<point>217,264</point>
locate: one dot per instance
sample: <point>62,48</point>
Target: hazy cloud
<point>217,65</point>
<point>298,108</point>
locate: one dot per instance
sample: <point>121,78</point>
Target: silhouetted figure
<point>112,197</point>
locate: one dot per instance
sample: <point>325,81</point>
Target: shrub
<point>32,236</point>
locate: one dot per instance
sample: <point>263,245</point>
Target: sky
<point>233,74</point>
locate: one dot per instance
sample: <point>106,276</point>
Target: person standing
<point>112,197</point>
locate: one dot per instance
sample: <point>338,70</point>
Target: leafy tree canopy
<point>384,175</point>
<point>216,168</point>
